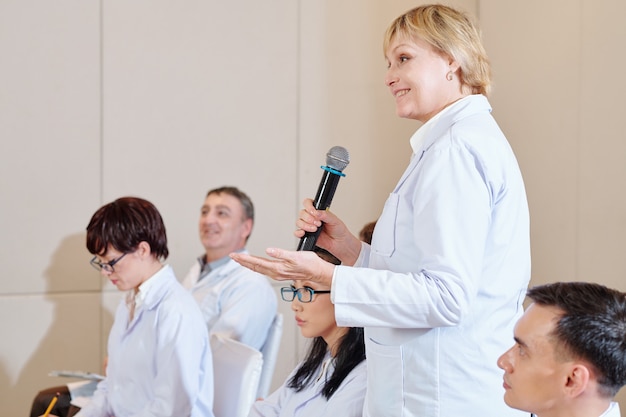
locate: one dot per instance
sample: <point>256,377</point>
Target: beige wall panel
<point>197,97</point>
<point>49,332</point>
<point>535,56</point>
<point>602,147</point>
<point>49,183</point>
<point>49,140</point>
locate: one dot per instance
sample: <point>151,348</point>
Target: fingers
<point>287,265</point>
<point>308,219</point>
<point>298,233</point>
<point>268,267</point>
<point>249,261</point>
<point>311,216</point>
<point>308,205</point>
<point>276,253</point>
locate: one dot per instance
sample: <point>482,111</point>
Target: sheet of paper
<point>81,392</point>
<point>78,374</point>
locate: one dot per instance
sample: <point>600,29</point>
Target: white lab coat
<point>612,411</point>
<point>235,301</point>
<point>446,274</point>
<point>346,401</point>
<point>160,364</point>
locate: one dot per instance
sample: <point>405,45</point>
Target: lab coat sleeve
<point>364,256</point>
<point>428,248</point>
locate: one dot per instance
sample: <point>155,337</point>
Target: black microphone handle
<point>324,196</point>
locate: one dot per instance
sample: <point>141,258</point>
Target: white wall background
<point>165,100</point>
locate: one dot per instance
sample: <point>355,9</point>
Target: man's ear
<point>247,228</point>
<point>578,380</point>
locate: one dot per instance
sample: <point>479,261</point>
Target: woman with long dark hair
<point>331,380</point>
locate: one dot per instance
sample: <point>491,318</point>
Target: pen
<point>52,403</point>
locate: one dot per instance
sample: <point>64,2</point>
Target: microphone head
<point>337,158</point>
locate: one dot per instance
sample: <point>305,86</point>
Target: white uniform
<point>235,302</point>
<point>446,273</point>
<point>160,363</point>
<point>612,411</point>
<point>347,401</point>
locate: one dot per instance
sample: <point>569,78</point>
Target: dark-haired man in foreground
<point>569,357</point>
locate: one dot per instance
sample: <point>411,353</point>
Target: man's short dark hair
<point>248,207</point>
<point>592,327</point>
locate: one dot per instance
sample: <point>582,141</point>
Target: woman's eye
<point>403,58</point>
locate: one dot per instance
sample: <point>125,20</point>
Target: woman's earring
<point>449,76</point>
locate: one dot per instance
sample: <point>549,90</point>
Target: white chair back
<point>236,370</point>
<point>270,354</point>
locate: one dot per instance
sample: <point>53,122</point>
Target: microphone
<point>337,159</point>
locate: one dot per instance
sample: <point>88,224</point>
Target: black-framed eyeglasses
<point>304,294</point>
<point>105,266</point>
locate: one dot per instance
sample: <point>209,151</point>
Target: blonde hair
<point>450,32</point>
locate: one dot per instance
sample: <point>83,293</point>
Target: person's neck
<point>212,256</point>
<point>151,269</point>
<point>591,407</point>
<point>155,267</point>
<point>447,103</point>
<point>333,340</point>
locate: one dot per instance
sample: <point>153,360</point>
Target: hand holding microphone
<point>290,265</point>
<point>337,159</point>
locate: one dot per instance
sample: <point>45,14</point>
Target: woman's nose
<point>296,305</point>
<point>390,78</point>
